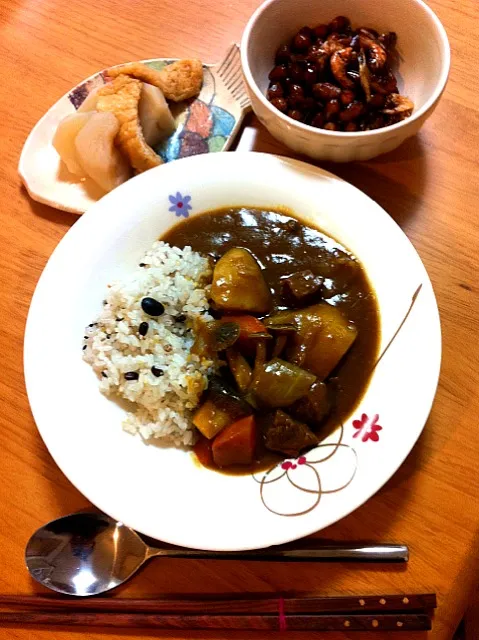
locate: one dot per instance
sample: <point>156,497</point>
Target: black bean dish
<point>339,79</point>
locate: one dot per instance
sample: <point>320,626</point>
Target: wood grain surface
<point>429,186</point>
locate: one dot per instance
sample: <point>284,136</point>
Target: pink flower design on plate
<point>288,464</point>
<point>368,427</point>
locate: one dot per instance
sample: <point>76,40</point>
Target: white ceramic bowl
<point>161,491</point>
<point>424,56</point>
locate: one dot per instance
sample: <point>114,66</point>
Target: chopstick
<point>320,622</point>
<point>263,605</point>
<point>352,613</point>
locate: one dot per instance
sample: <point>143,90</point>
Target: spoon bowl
<point>84,554</point>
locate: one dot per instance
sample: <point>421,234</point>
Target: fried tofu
<point>121,97</point>
<point>178,81</point>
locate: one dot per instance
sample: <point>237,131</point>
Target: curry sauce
<point>286,249</point>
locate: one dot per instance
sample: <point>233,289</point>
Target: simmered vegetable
<point>281,333</point>
<point>314,406</point>
<point>282,329</point>
<point>225,334</point>
<point>213,336</point>
<point>280,383</point>
<point>324,336</point>
<point>236,443</point>
<point>239,284</point>
<point>279,345</point>
<point>249,325</point>
<point>240,368</point>
<point>221,408</point>
<point>302,286</point>
<point>260,358</point>
<point>286,435</point>
<point>225,397</point>
<point>210,419</point>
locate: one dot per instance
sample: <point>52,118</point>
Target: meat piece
<point>314,406</point>
<point>301,286</point>
<point>121,97</point>
<point>286,435</point>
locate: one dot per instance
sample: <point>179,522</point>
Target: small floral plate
<point>207,124</point>
<point>164,492</point>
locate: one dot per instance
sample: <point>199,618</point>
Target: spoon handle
<point>328,553</point>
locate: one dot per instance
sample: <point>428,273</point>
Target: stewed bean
<point>283,54</point>
<point>340,24</point>
<point>309,75</point>
<point>321,31</point>
<point>280,72</point>
<point>333,77</point>
<point>332,109</point>
<point>280,104</point>
<point>296,95</point>
<point>326,91</point>
<point>318,120</point>
<point>275,91</point>
<point>296,114</point>
<point>352,111</point>
<point>302,42</point>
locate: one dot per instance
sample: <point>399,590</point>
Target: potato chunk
<point>323,338</point>
<point>239,285</point>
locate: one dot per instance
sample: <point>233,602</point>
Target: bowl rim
<point>436,94</point>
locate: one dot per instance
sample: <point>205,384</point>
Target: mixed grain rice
<point>114,346</point>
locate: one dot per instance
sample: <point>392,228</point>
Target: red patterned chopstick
<point>220,605</point>
<point>351,613</point>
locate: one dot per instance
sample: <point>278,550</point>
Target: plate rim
<point>433,376</point>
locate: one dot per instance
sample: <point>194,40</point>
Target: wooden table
<point>429,186</point>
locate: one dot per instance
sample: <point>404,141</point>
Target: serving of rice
<point>155,371</point>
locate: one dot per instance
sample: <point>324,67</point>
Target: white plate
<point>209,123</point>
<point>163,492</point>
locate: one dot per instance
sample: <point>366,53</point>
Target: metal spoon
<point>85,554</point>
